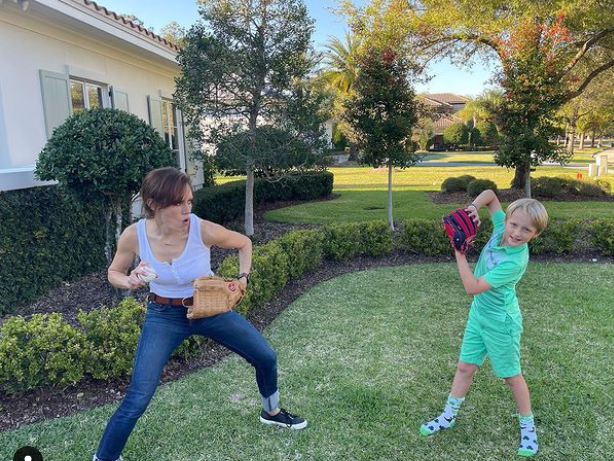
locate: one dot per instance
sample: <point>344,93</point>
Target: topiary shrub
<point>102,155</point>
<point>453,184</point>
<point>477,186</point>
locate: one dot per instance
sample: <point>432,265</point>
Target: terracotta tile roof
<point>449,98</point>
<point>122,20</point>
<point>443,122</point>
<point>427,100</point>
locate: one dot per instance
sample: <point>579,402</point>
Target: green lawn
<point>366,358</point>
<point>463,157</point>
<point>363,193</point>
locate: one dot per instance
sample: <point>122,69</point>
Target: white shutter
<point>57,106</point>
<point>155,114</point>
<point>119,99</point>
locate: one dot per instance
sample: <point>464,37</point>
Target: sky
<point>447,78</point>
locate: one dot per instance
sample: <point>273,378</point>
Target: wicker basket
<point>214,295</point>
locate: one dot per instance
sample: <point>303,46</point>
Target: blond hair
<point>534,209</point>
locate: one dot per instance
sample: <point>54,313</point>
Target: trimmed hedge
<point>46,237</point>
<point>45,350</point>
<point>224,203</point>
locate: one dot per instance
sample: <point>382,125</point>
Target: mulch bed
<point>93,291</point>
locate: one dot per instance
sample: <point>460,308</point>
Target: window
<point>87,95</point>
<point>169,124</point>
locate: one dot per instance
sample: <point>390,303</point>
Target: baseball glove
<point>461,229</point>
<point>214,295</point>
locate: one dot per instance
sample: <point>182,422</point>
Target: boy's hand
<point>472,211</point>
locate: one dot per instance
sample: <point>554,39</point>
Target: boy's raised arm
<point>488,199</point>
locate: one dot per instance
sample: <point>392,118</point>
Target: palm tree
<point>341,66</point>
<point>482,107</point>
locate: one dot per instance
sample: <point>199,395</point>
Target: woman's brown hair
<point>163,187</point>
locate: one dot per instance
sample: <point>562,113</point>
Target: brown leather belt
<point>185,302</point>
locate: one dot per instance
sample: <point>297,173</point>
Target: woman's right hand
<point>132,280</point>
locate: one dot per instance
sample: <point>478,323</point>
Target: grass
<point>362,195</point>
<point>366,358</point>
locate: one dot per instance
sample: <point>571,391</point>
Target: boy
<point>495,322</point>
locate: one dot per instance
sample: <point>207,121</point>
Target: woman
<point>176,244</point>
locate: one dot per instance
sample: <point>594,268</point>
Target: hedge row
<point>46,237</point>
<point>561,237</point>
<point>45,350</point>
<point>224,203</point>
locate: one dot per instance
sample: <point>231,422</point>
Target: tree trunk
<point>572,131</point>
<point>593,139</point>
<point>520,175</point>
<point>107,233</point>
<point>582,136</point>
<point>249,202</point>
<point>353,152</point>
<point>527,185</point>
<point>390,220</point>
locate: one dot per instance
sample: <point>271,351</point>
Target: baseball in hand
<point>148,276</point>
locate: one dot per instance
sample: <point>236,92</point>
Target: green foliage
<point>224,203</point>
<point>489,136</point>
<point>304,249</point>
<point>112,336</point>
<point>41,351</point>
<point>424,238</point>
<point>456,134</point>
<point>561,237</point>
<point>456,184</point>
<point>102,155</point>
<point>382,109</point>
<point>602,236</point>
<point>478,186</point>
<point>552,187</point>
<point>339,139</point>
<point>347,240</point>
<point>46,237</point>
<point>266,149</point>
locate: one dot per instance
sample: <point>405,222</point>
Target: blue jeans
<point>165,328</point>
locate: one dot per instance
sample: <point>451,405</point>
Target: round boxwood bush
<point>549,187</point>
<point>477,186</point>
<point>453,185</point>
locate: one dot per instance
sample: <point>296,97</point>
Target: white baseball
<point>148,276</point>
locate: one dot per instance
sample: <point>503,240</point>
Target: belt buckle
<point>183,300</point>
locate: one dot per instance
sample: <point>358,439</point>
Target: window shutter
<point>119,99</point>
<point>57,107</point>
<point>154,105</point>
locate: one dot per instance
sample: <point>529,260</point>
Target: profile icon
<point>27,454</point>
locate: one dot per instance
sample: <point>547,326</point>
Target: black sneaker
<point>283,419</point>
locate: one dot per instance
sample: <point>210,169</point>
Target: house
<point>62,56</point>
<point>446,105</point>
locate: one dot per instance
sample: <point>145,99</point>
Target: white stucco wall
<point>41,38</point>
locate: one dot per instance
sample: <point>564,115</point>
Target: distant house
<point>446,105</point>
<point>62,56</point>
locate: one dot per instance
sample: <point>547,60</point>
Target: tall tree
<point>241,65</point>
<point>173,32</point>
<point>559,37</point>
<point>382,111</point>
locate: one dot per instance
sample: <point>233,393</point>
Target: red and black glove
<point>461,229</point>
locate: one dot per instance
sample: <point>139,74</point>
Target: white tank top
<point>175,278</point>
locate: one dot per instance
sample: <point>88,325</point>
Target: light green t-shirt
<point>502,267</point>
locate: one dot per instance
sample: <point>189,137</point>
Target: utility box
<point>592,170</point>
<point>601,161</point>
